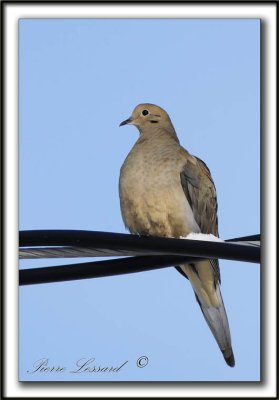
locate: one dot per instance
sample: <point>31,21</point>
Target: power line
<point>97,269</point>
<point>144,253</point>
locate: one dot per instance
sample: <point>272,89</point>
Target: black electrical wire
<point>134,245</point>
<point>77,252</point>
<point>97,269</point>
<point>165,252</point>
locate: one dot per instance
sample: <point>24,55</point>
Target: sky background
<point>78,80</point>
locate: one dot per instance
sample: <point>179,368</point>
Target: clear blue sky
<point>78,80</point>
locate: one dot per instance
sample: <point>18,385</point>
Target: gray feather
<point>217,321</point>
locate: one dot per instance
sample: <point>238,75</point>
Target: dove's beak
<point>127,121</point>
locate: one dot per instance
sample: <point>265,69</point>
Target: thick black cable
<point>181,250</point>
<point>97,269</point>
<point>140,245</point>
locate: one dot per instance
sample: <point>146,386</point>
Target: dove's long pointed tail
<point>210,300</point>
<point>217,321</point>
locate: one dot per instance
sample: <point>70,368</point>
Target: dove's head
<point>149,117</point>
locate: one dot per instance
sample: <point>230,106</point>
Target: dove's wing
<point>200,192</point>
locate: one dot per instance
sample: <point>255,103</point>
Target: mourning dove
<point>165,191</point>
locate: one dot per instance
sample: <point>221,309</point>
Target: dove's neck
<point>158,132</point>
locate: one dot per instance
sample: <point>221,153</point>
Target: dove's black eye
<point>145,112</point>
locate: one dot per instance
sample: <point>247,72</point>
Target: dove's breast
<point>151,196</point>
